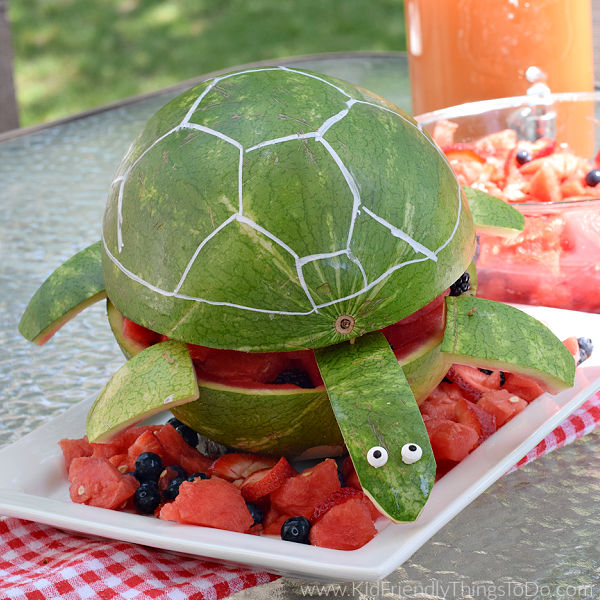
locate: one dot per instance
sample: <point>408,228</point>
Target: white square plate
<point>35,487</point>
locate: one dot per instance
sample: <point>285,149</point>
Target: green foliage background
<point>71,55</point>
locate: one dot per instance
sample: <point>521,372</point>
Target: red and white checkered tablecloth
<point>39,562</point>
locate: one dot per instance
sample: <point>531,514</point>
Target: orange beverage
<point>466,50</point>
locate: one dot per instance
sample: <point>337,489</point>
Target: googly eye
<point>377,456</point>
<point>411,453</point>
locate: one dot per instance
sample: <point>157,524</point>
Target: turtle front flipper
<point>75,285</point>
<point>489,334</point>
<point>492,215</point>
<point>381,424</point>
<point>158,378</point>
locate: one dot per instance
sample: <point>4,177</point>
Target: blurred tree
<point>9,116</point>
<point>73,55</point>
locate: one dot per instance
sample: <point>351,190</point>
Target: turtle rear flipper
<point>75,285</point>
<point>381,424</point>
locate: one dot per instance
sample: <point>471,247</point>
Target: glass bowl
<point>535,152</point>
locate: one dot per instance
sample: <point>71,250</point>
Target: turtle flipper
<point>75,285</point>
<point>492,215</point>
<point>159,377</point>
<point>494,335</point>
<point>378,415</point>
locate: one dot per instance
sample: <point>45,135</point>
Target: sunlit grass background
<point>71,55</point>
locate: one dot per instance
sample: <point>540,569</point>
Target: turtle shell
<point>274,209</point>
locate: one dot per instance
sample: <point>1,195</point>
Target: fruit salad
<point>555,260</point>
<point>157,470</point>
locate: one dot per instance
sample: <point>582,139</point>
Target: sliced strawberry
<point>472,381</point>
<point>542,147</point>
<point>240,465</point>
<point>471,415</point>
<point>338,497</point>
<point>263,482</point>
<point>463,152</point>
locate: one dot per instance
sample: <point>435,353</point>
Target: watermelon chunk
<point>299,495</point>
<point>209,502</point>
<point>94,481</point>
<point>346,526</point>
<point>522,386</point>
<point>474,416</point>
<point>176,451</point>
<point>273,522</point>
<point>74,449</point>
<point>451,440</point>
<point>502,404</point>
<point>147,442</point>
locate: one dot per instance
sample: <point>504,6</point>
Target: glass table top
<point>536,529</point>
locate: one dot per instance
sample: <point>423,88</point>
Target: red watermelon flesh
<point>502,404</point>
<point>472,381</point>
<point>147,442</point>
<point>209,502</point>
<point>300,494</point>
<point>176,451</point>
<point>451,440</point>
<point>96,482</point>
<point>273,522</point>
<point>74,449</point>
<point>346,526</point>
<point>243,369</point>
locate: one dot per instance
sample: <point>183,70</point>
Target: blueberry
<point>146,498</point>
<point>196,475</point>
<point>296,529</point>
<point>522,157</point>
<point>172,490</point>
<point>297,377</point>
<point>187,433</point>
<point>461,285</point>
<point>586,347</point>
<point>593,178</point>
<point>148,467</point>
<point>256,512</point>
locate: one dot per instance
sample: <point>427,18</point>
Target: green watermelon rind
<point>156,379</point>
<point>291,321</point>
<point>492,215</point>
<point>504,337</point>
<point>72,287</point>
<point>374,406</point>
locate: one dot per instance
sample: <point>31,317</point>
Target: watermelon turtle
<point>279,218</point>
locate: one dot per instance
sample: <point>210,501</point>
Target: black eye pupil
<point>412,448</point>
<point>377,454</point>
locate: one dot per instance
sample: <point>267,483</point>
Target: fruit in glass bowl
<point>539,154</point>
